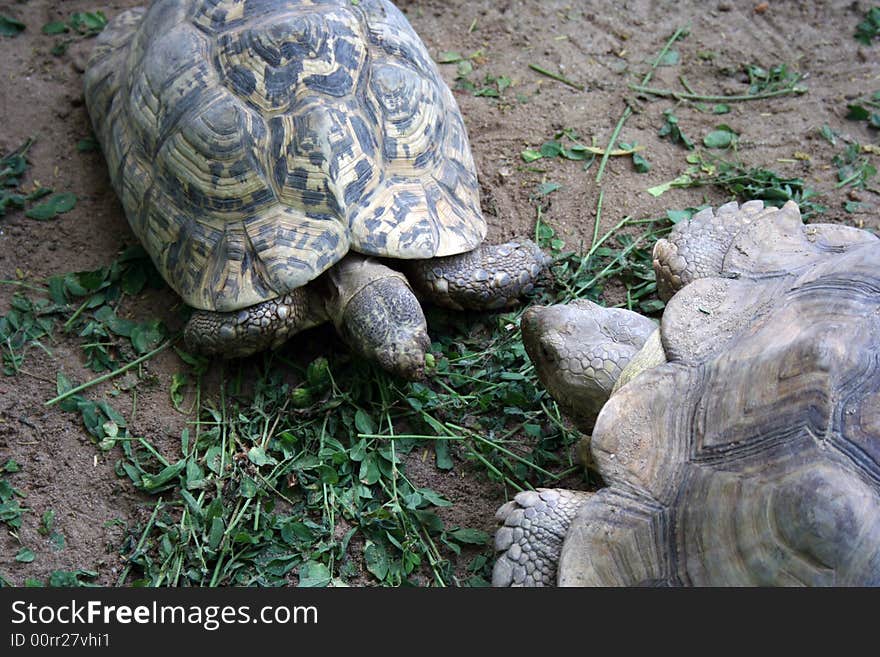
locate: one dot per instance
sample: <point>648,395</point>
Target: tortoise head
<point>579,351</point>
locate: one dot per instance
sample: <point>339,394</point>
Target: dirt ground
<point>603,45</point>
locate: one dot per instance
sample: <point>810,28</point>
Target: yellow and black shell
<point>254,142</point>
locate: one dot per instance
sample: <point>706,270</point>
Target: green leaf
<point>314,573</point>
<point>578,153</point>
<point>376,560</point>
<point>46,522</point>
<point>318,373</point>
<point>464,68</point>
<point>640,163</point>
<point>55,27</point>
<point>63,578</point>
<point>433,497</point>
<point>59,48</point>
<point>88,23</point>
<point>258,457</point>
<point>551,149</point>
<point>179,381</point>
<point>11,466</point>
<point>369,471</point>
<point>216,534</point>
<point>10,27</point>
<point>669,58</point>
<point>56,540</point>
<point>472,536</point>
<point>359,451</point>
<point>657,190</point>
<point>721,108</point>
<point>328,475</point>
<point>548,187</point>
<point>857,113</point>
<point>117,325</point>
<point>25,555</point>
<point>147,336</point>
<point>248,488</point>
<point>671,129</point>
<point>530,155</point>
<point>449,57</point>
<point>364,423</point>
<point>722,137</point>
<point>38,194</point>
<point>51,208</point>
<point>62,383</point>
<point>869,28</point>
<point>429,520</point>
<point>87,145</point>
<point>165,478</point>
<point>676,216</point>
<point>441,454</point>
<point>294,532</point>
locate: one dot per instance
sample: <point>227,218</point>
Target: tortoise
<point>276,157</point>
<point>741,444</point>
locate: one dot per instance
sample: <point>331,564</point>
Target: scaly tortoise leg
<point>490,277</point>
<point>262,326</point>
<point>529,542</point>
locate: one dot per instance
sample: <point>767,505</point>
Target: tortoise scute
<point>617,539</point>
<point>640,440</point>
<point>798,524</point>
<point>272,65</point>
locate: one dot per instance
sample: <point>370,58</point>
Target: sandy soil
<point>602,45</point>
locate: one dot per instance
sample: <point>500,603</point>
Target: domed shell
<point>753,455</point>
<point>254,142</point>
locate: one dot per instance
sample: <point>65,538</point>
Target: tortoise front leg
<point>490,277</point>
<point>262,326</point>
<point>533,529</point>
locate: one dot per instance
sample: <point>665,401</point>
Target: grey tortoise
<point>741,445</point>
<point>275,157</point>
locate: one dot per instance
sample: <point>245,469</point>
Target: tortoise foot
<point>529,542</point>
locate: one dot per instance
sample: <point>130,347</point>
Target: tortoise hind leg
<point>490,277</point>
<point>530,540</point>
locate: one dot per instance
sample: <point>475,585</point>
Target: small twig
<point>33,376</point>
<point>686,84</point>
<point>682,95</point>
<point>27,286</point>
<point>556,76</point>
<point>76,314</point>
<point>846,181</point>
<point>110,375</point>
<point>611,142</point>
<point>595,150</point>
<point>598,218</point>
